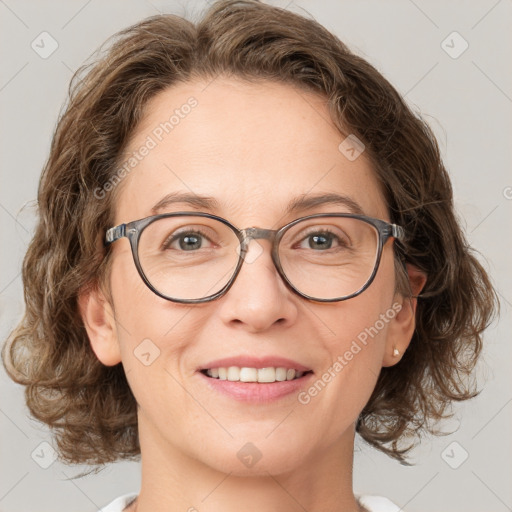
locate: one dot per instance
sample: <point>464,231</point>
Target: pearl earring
<point>396,352</point>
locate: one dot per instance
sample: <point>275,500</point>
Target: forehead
<point>253,146</point>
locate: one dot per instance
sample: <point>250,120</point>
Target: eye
<point>322,240</point>
<point>190,241</point>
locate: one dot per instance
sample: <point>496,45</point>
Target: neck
<point>172,480</point>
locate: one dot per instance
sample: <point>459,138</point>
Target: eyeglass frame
<point>133,230</point>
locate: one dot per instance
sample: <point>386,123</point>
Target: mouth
<point>256,379</point>
<point>267,375</point>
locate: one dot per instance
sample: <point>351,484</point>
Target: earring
<point>396,352</point>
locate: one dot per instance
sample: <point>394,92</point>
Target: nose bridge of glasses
<point>258,234</point>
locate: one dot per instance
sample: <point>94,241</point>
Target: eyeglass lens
<point>195,257</point>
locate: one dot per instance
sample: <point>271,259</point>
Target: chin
<point>254,458</point>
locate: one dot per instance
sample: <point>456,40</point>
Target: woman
<point>247,252</point>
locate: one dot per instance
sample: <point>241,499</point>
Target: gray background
<point>468,102</point>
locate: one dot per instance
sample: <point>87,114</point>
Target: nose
<point>258,298</point>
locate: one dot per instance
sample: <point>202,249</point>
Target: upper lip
<point>255,362</point>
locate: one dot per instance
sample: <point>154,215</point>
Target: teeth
<point>267,375</point>
<point>281,374</point>
<point>248,374</point>
<point>233,373</point>
<point>291,374</point>
<point>236,374</point>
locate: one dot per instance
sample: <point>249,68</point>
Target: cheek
<point>355,357</point>
<point>355,352</point>
<point>140,313</point>
<point>364,319</point>
<point>149,329</point>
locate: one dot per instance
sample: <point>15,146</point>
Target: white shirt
<point>372,503</point>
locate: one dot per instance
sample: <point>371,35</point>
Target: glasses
<point>193,257</point>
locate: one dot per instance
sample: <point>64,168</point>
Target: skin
<point>252,146</point>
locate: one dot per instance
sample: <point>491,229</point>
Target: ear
<point>401,327</point>
<point>98,317</point>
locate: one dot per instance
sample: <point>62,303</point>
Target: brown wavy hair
<point>90,406</point>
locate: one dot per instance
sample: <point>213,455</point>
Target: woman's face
<point>254,148</point>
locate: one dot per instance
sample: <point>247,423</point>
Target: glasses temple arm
<point>115,233</point>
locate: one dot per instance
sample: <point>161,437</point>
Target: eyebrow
<point>308,202</point>
<point>191,199</point>
<point>298,204</point>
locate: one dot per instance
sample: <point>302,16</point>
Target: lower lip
<point>255,392</point>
